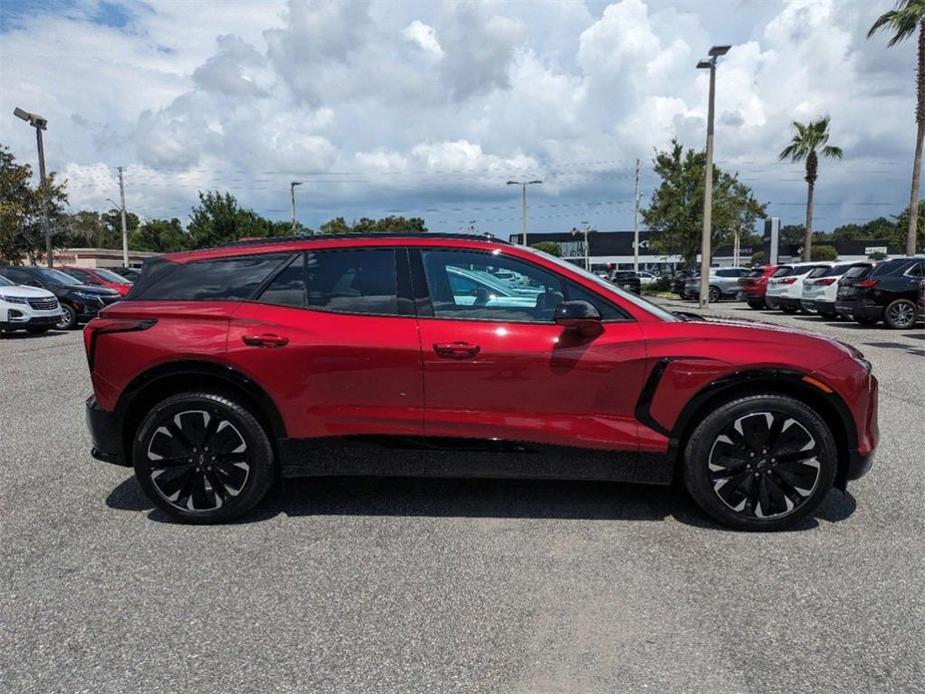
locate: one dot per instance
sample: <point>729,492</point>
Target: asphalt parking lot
<point>443,585</point>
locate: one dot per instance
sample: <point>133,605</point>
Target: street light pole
<point>292,185</point>
<point>124,226</point>
<point>636,222</point>
<point>40,124</point>
<point>523,201</point>
<point>705,252</point>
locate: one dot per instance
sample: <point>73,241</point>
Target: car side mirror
<point>579,316</point>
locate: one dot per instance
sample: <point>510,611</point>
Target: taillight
<point>103,326</point>
<point>826,281</point>
<point>787,280</point>
<point>866,284</point>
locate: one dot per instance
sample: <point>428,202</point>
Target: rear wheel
<point>755,303</point>
<point>68,320</point>
<point>714,295</point>
<point>203,458</point>
<point>761,462</point>
<point>789,309</point>
<point>900,314</point>
<point>829,315</point>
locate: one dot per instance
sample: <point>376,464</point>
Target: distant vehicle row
<point>76,300</point>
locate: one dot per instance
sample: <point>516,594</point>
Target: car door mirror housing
<point>580,316</point>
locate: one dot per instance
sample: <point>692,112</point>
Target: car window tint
<point>575,292</point>
<point>288,287</point>
<point>857,271</point>
<point>353,281</point>
<point>800,270</point>
<point>223,279</point>
<point>915,270</point>
<point>474,285</point>
<point>817,272</point>
<point>84,277</point>
<point>17,276</point>
<point>890,267</point>
<point>782,272</point>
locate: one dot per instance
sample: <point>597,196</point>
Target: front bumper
<point>29,321</point>
<point>105,435</point>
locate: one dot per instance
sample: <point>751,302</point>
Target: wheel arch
<point>164,380</point>
<point>791,383</point>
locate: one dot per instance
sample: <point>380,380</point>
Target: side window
<point>727,273</point>
<point>223,279</point>
<point>474,285</point>
<point>353,281</point>
<point>80,275</point>
<point>288,287</point>
<point>17,276</point>
<point>916,270</point>
<point>574,292</point>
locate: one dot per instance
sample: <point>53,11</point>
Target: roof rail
<point>366,235</point>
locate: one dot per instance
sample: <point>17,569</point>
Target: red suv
<point>228,368</point>
<point>755,286</point>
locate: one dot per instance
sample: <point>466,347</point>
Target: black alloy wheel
<point>761,462</point>
<point>900,314</point>
<point>203,458</point>
<point>714,295</point>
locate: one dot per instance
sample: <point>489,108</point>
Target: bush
<point>759,258</point>
<point>876,255</point>
<point>823,253</point>
<point>550,247</point>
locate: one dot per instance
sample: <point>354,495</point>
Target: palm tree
<point>809,141</point>
<point>908,17</point>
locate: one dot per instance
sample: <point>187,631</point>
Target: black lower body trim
<point>105,435</point>
<point>389,456</point>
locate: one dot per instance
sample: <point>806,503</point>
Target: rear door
<point>498,367</point>
<point>333,337</point>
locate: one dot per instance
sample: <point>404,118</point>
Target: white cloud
<point>423,105</point>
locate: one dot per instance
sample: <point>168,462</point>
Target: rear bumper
<point>787,302</point>
<point>817,305</point>
<point>105,435</point>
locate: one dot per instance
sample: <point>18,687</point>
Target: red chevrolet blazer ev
<point>447,355</point>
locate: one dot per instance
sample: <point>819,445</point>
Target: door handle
<point>265,340</point>
<point>456,350</point>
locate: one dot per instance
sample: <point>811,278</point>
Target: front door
<point>497,366</point>
<point>335,344</point>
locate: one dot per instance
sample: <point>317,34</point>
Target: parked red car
<point>755,285</point>
<point>436,354</point>
<point>100,277</point>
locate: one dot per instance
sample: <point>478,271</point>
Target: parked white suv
<point>27,308</point>
<point>785,287</point>
<point>821,286</point>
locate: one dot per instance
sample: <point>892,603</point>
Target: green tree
<point>111,221</point>
<point>759,258</point>
<point>22,232</point>
<point>876,255</point>
<point>900,234</point>
<point>159,236</point>
<point>218,220</point>
<point>84,229</point>
<point>676,208</point>
<point>550,247</point>
<point>820,252</point>
<point>335,226</point>
<point>809,141</point>
<point>903,22</point>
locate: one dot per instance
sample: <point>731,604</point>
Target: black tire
<point>38,329</point>
<point>756,304</point>
<point>900,314</point>
<point>714,294</point>
<point>864,320</point>
<point>682,295</point>
<point>68,318</point>
<point>747,436</point>
<point>200,485</point>
<point>828,315</point>
<point>789,309</point>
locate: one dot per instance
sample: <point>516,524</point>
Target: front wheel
<point>714,295</point>
<point>68,320</point>
<point>761,462</point>
<point>900,315</point>
<point>203,458</point>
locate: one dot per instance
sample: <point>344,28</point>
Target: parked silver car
<point>724,283</point>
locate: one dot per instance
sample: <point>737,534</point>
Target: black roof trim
<point>367,235</point>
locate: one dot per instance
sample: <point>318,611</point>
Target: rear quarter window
<point>221,279</point>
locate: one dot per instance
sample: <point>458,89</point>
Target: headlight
<point>14,299</point>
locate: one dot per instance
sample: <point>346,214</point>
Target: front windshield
<point>53,276</point>
<point>110,276</point>
<point>644,304</point>
<point>4,282</point>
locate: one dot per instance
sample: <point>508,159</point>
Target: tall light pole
<point>292,185</point>
<point>523,185</point>
<point>708,64</point>
<point>636,222</point>
<point>40,124</point>
<point>124,226</point>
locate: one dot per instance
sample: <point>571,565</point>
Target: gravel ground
<point>443,585</point>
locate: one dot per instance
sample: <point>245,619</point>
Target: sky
<point>428,108</point>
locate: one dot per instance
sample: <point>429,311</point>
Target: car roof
<point>297,243</point>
